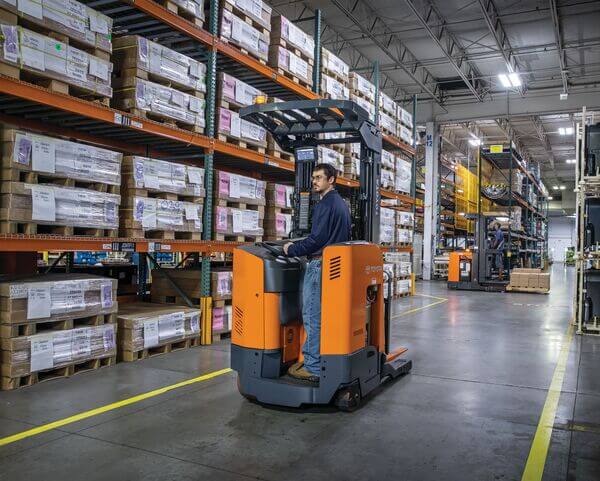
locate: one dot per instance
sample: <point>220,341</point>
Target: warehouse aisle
<point>469,410</point>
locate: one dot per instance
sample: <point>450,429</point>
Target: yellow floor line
<point>405,313</point>
<point>534,469</point>
<point>109,407</point>
<point>431,297</point>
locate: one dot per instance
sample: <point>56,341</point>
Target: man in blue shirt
<point>331,224</point>
<point>499,244</point>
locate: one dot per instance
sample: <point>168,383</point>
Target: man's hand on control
<point>286,247</point>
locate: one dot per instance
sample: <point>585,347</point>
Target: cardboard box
<point>533,280</point>
<point>544,281</point>
<point>516,279</point>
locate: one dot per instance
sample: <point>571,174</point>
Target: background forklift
<point>267,332</point>
<point>476,269</point>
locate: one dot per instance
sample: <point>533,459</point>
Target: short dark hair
<point>328,169</point>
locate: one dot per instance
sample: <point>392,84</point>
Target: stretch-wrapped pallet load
<point>334,66</point>
<point>388,160</point>
<point>332,157</point>
<point>55,321</point>
<point>149,99</point>
<point>388,124</point>
<point>332,88</point>
<point>52,60</point>
<point>231,221</point>
<point>234,94</point>
<point>172,218</point>
<point>255,12</point>
<point>278,211</point>
<point>143,176</point>
<point>146,329</point>
<point>404,235</point>
<point>361,87</point>
<point>231,126</point>
<point>221,282</point>
<point>292,37</point>
<point>192,10</point>
<point>237,189</point>
<point>403,286</point>
<point>387,225</point>
<point>405,134</point>
<point>240,33</point>
<point>405,118</point>
<point>24,154</point>
<point>405,219</point>
<point>387,179</point>
<point>68,17</point>
<point>291,64</point>
<point>136,56</point>
<point>403,179</point>
<point>35,205</point>
<point>388,105</point>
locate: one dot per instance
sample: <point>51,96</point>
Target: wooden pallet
<point>130,356</point>
<point>31,327</point>
<point>250,53</point>
<point>239,205</point>
<point>531,290</point>
<point>244,144</point>
<point>280,154</point>
<point>182,12</point>
<point>10,383</point>
<point>31,228</point>
<point>13,172</point>
<point>238,238</point>
<point>159,234</point>
<point>293,78</point>
<point>272,210</point>
<point>336,76</point>
<point>129,193</point>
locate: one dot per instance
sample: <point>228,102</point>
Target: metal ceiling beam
<point>561,51</point>
<point>492,19</point>
<point>541,133</point>
<point>360,14</point>
<point>435,25</point>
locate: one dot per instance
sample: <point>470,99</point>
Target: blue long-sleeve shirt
<point>331,223</point>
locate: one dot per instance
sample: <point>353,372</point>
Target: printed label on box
<point>43,203</point>
<point>106,295</point>
<point>238,220</point>
<point>80,344</point>
<point>42,352</point>
<point>191,212</point>
<point>44,155</point>
<point>234,186</point>
<point>39,302</point>
<point>195,323</point>
<point>151,333</point>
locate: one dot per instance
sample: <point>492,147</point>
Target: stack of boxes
<point>146,329</point>
<point>529,279</point>
<point>387,226</point>
<point>291,51</point>
<point>278,212</point>
<point>403,179</point>
<point>388,170</point>
<point>247,26</point>
<point>55,186</point>
<point>233,94</point>
<point>56,326</point>
<point>156,82</point>
<point>405,126</point>
<point>161,199</point>
<point>239,207</point>
<point>333,157</point>
<point>30,54</point>
<point>399,267</point>
<point>404,227</point>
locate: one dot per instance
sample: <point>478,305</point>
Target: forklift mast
<point>298,126</point>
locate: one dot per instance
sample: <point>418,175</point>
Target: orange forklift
<point>267,332</point>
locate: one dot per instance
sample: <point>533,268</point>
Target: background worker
<point>331,224</point>
<point>498,244</point>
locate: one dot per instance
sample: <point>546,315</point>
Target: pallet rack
<point>38,109</point>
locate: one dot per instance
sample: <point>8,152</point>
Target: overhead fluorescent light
<point>565,130</point>
<point>475,142</point>
<point>515,80</point>
<point>571,161</point>
<point>462,213</point>
<point>550,197</point>
<point>564,96</point>
<point>510,80</point>
<point>562,187</point>
<point>555,187</point>
<point>502,219</point>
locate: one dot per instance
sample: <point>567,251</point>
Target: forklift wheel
<point>348,399</point>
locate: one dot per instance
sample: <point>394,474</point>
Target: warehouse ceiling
<point>449,54</point>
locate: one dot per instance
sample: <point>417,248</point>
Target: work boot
<point>294,367</point>
<point>304,375</point>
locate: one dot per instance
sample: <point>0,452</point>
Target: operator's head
<point>323,178</point>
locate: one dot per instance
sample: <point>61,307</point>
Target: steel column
<point>432,143</point>
<point>317,63</point>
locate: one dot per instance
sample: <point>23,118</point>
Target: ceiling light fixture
<point>475,142</point>
<point>550,197</point>
<point>571,161</point>
<point>555,187</point>
<point>565,130</point>
<point>510,80</point>
<point>562,187</point>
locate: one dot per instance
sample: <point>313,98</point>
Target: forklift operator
<point>331,224</point>
<point>499,244</point>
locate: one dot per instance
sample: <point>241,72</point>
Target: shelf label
<point>121,246</point>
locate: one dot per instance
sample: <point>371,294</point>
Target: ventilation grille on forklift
<point>335,267</point>
<point>238,321</point>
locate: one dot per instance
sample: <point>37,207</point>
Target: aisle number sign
<point>496,149</point>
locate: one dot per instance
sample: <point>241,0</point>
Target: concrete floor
<point>468,411</point>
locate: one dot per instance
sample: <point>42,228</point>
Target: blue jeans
<point>311,317</point>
